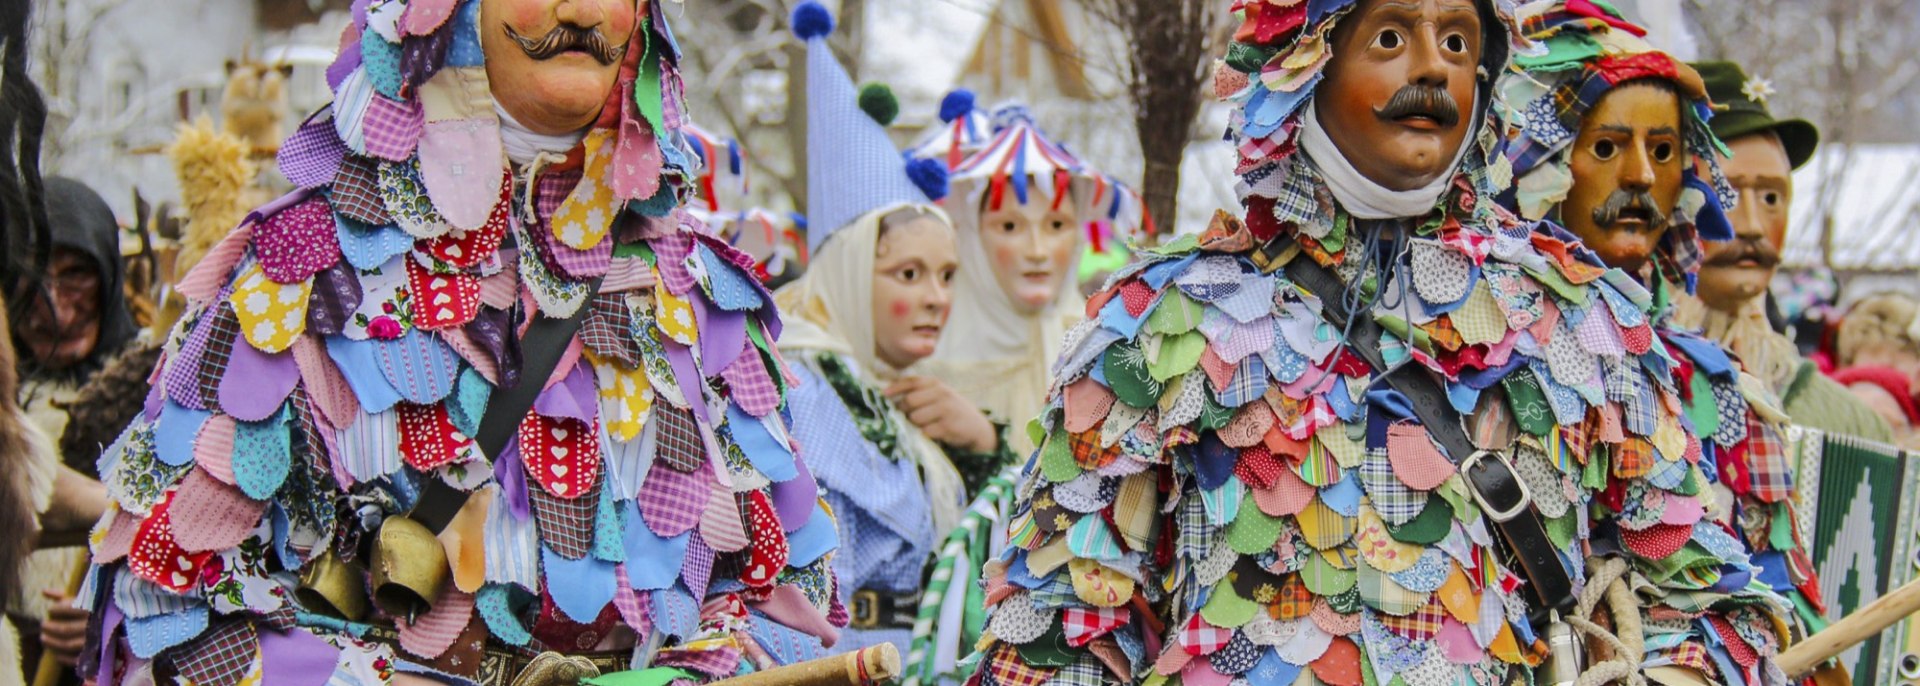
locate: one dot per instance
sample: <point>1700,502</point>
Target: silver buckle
<point>1526,497</point>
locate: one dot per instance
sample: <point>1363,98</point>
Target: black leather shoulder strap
<point>543,346</point>
<point>1496,487</point>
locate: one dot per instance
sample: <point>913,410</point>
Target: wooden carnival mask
<point>1740,270</point>
<point>1398,98</point>
<point>552,62</point>
<point>1627,165</point>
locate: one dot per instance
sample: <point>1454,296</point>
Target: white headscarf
<point>830,309</point>
<point>992,352</point>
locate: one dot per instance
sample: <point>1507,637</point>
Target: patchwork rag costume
<point>305,499</point>
<point>893,489</point>
<point>1231,486</point>
<point>1721,622</point>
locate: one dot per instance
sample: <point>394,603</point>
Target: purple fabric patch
<point>684,371</point>
<point>512,475</point>
<point>672,250</point>
<point>156,399</point>
<point>392,128</point>
<point>723,334</point>
<point>492,330</point>
<point>575,397</point>
<point>697,568</point>
<point>296,658</point>
<point>568,263</point>
<point>336,294</point>
<point>311,157</point>
<point>344,65</point>
<point>419,365</point>
<point>794,498</point>
<point>256,384</point>
<point>296,242</point>
<point>183,369</point>
<point>421,57</point>
<point>671,501</point>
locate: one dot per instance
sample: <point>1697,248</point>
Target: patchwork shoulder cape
<point>343,344</point>
<point>1221,490</point>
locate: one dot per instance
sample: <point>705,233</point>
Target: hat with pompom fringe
<point>852,167</point>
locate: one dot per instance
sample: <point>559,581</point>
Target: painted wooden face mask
<point>1399,101</point>
<point>552,62</point>
<point>1627,164</point>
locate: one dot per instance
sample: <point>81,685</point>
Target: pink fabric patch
<point>393,129</point>
<point>720,522</point>
<point>326,387</point>
<point>1456,643</point>
<point>210,515</point>
<point>256,383</point>
<point>464,248</point>
<point>297,242</point>
<point>423,17</point>
<point>1415,459</point>
<point>462,167</point>
<point>1087,402</point>
<point>635,171</point>
<point>1289,495</point>
<point>118,539</point>
<point>431,634</point>
<point>213,448</point>
<point>215,270</point>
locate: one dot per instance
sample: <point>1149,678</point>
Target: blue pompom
<point>956,105</point>
<point>812,20</point>
<point>930,176</point>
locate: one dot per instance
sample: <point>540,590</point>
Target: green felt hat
<point>1740,108</point>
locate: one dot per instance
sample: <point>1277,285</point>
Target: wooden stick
<point>47,673</point>
<point>878,664</point>
<point>1863,624</point>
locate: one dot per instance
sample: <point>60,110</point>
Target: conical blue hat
<point>852,167</point>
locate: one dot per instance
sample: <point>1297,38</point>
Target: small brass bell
<point>409,568</point>
<point>331,587</point>
<point>553,669</point>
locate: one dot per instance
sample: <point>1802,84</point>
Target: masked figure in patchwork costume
<point>1232,485</point>
<point>489,171</point>
<point>1020,204</point>
<point>1611,140</point>
<point>1733,299</point>
<point>873,302</point>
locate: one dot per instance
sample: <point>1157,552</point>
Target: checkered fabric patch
<point>311,156</point>
<point>1771,474</point>
<point>356,192</point>
<point>1423,624</point>
<point>1087,451</point>
<point>752,386</point>
<point>1693,655</point>
<point>549,191</point>
<point>671,501</point>
<point>1085,671</point>
<point>1006,668</point>
<point>1248,384</point>
<point>392,128</point>
<point>679,443</point>
<point>566,525</point>
<point>213,365</point>
<point>608,329</point>
<point>1083,624</point>
<point>1633,458</point>
<point>220,657</point>
<point>1201,638</point>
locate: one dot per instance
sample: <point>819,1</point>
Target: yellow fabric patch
<point>1480,321</point>
<point>1322,527</point>
<point>626,397</point>
<point>272,315</point>
<point>675,315</point>
<point>1099,586</point>
<point>1379,548</point>
<point>1457,596</point>
<point>585,217</point>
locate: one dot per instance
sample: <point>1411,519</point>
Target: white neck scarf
<point>523,144</point>
<point>1363,198</point>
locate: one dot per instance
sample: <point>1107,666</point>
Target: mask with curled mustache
<point>552,63</point>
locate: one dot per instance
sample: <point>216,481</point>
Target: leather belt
<point>869,609</point>
<point>505,665</point>
<point>1490,476</point>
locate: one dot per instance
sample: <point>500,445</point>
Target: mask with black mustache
<point>567,37</point>
<point>1420,100</point>
<point>1745,248</point>
<point>1621,200</point>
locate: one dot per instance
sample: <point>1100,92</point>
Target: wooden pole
<point>1863,624</point>
<point>47,673</point>
<point>865,667</point>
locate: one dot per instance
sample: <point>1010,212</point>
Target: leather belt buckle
<point>864,610</point>
<point>1499,513</point>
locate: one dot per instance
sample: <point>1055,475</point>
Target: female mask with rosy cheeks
<point>1031,247</point>
<point>552,62</point>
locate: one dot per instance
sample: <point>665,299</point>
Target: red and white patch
<point>1201,638</point>
<point>465,248</point>
<point>1657,541</point>
<point>1258,468</point>
<point>156,557</point>
<point>1082,624</point>
<point>562,454</point>
<point>442,300</point>
<point>1137,297</point>
<point>770,549</point>
<point>1638,339</point>
<point>428,439</point>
